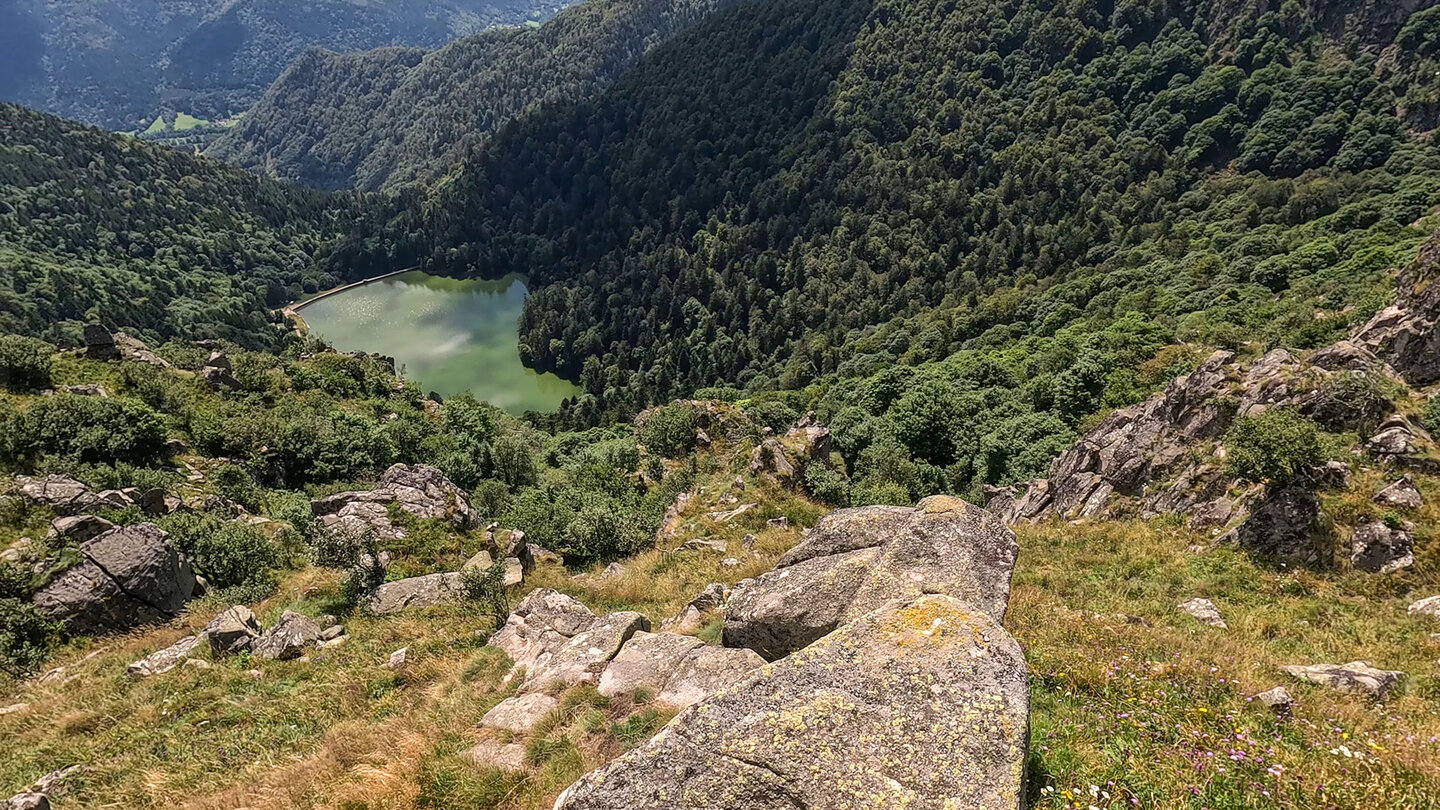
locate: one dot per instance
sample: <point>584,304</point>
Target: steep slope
<point>772,183</point>
<point>393,116</point>
<point>97,226</point>
<point>121,64</point>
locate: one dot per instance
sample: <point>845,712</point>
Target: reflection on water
<point>450,335</point>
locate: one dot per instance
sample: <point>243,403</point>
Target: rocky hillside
<point>389,117</point>
<point>120,65</point>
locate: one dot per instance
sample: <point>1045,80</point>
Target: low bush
<point>1276,447</point>
<point>670,430</point>
<point>24,363</point>
<point>88,429</point>
<point>228,554</point>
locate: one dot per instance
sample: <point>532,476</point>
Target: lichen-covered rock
<point>1281,527</point>
<point>1380,549</point>
<point>920,705</point>
<point>1401,493</point>
<point>540,625</point>
<point>61,493</point>
<point>518,715</point>
<point>855,560</point>
<point>1204,611</point>
<point>291,637</point>
<point>162,661</point>
<point>126,577</point>
<point>418,489</point>
<point>707,669</point>
<point>493,754</point>
<point>79,528</point>
<point>646,662</point>
<point>582,657</point>
<point>416,592</point>
<point>1277,700</point>
<point>1354,678</point>
<point>1429,606</point>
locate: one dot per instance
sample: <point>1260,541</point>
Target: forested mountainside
<point>122,64</point>
<point>393,116</point>
<point>96,226</point>
<point>796,189</point>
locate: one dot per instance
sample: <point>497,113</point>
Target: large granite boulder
<point>583,656</point>
<point>417,592</point>
<point>126,577</point>
<point>1354,678</point>
<point>539,626</point>
<point>919,704</point>
<point>855,560</point>
<point>676,670</point>
<point>418,489</point>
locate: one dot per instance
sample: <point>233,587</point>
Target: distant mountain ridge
<point>391,116</point>
<point>119,65</point>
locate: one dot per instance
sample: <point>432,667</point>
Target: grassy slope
<point>1129,695</point>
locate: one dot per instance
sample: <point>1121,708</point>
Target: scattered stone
<point>923,704</point>
<point>1354,678</point>
<point>197,663</point>
<point>1380,549</point>
<point>219,378</point>
<point>712,597</point>
<point>1396,438</point>
<point>53,675</point>
<point>28,800</point>
<point>332,632</point>
<point>688,620</point>
<point>1401,493</point>
<point>614,569</point>
<point>397,658</point>
<point>1203,610</point>
<point>13,708</point>
<point>79,528</point>
<point>61,493</point>
<point>703,544</point>
<point>1331,475</point>
<point>491,754</point>
<point>781,522</point>
<point>416,592</point>
<point>730,562</point>
<point>481,561</point>
<point>1277,700</point>
<point>518,715</point>
<point>771,461</point>
<point>514,572</point>
<point>748,542</point>
<point>292,636</point>
<point>126,577</point>
<point>158,663</point>
<point>87,390</point>
<point>1429,606</point>
<point>856,560</point>
<point>17,551</point>
<point>232,631</point>
<point>727,515</point>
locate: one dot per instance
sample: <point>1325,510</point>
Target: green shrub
<point>773,414</point>
<point>228,554</point>
<point>826,485</point>
<point>670,430</point>
<point>24,363</point>
<point>1276,446</point>
<point>357,553</point>
<point>486,586</point>
<point>90,429</point>
<point>25,637</point>
<point>514,463</point>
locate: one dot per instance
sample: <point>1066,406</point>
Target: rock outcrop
<point>855,560</point>
<point>417,592</point>
<point>920,703</point>
<point>417,489</point>
<point>126,577</point>
<point>1354,678</point>
<point>1406,334</point>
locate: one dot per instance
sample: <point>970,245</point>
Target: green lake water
<point>450,336</point>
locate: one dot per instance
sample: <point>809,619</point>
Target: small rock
<point>79,528</point>
<point>540,554</point>
<point>781,522</point>
<point>29,800</point>
<point>397,658</point>
<point>334,642</point>
<point>730,562</point>
<point>1204,610</point>
<point>1380,549</point>
<point>702,544</point>
<point>53,675</point>
<point>1429,606</point>
<point>416,592</point>
<point>1354,678</point>
<point>232,630</point>
<point>86,390</point>
<point>614,569</point>
<point>158,663</point>
<point>197,663</point>
<point>514,572</point>
<point>332,632</point>
<point>1401,493</point>
<point>1331,475</point>
<point>13,708</point>
<point>518,715</point>
<point>727,515</point>
<point>1278,700</point>
<point>748,542</point>
<point>490,754</point>
<point>482,560</point>
<point>291,637</point>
